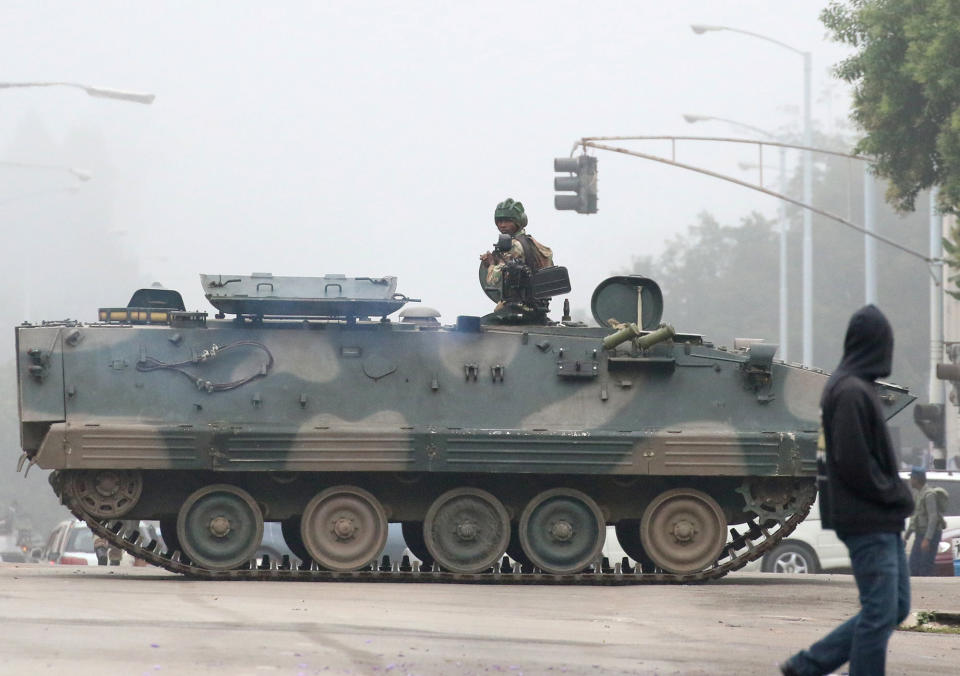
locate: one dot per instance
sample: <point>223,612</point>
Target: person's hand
<point>486,259</point>
<point>925,545</point>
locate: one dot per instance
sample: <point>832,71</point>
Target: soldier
<point>100,549</point>
<point>926,524</point>
<point>511,219</point>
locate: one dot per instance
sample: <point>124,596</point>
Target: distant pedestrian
<point>926,524</point>
<point>864,500</point>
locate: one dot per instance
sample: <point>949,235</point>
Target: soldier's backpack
<point>943,499</point>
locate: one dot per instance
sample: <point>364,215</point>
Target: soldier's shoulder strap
<point>530,256</point>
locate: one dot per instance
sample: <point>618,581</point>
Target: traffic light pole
<point>591,142</point>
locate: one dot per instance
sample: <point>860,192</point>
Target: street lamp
<point>99,92</point>
<point>700,29</point>
<point>781,216</point>
<point>692,119</point>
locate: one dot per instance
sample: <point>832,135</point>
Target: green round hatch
<point>621,297</point>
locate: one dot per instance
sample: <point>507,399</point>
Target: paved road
<point>76,620</point>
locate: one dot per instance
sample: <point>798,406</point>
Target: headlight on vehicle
<point>944,546</point>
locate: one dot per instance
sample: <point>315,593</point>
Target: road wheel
<point>562,531</point>
<point>344,528</point>
<point>683,530</point>
<point>220,527</point>
<point>791,557</point>
<point>466,530</point>
<point>413,537</point>
<point>628,535</point>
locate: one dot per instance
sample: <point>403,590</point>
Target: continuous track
<point>763,533</point>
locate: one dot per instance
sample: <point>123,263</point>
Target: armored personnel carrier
<point>311,407</point>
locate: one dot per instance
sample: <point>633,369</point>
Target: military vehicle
<point>504,446</point>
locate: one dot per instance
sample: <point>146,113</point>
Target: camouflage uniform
<point>516,253</point>
<point>514,211</point>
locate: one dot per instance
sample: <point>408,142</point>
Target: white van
<point>811,549</point>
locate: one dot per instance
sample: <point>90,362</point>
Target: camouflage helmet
<point>511,210</point>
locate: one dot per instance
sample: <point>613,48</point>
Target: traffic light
<point>931,421</point>
<point>582,181</point>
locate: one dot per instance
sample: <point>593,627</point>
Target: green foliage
<point>906,77</point>
<point>712,262</point>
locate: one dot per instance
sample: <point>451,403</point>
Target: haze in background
<point>375,138</point>
<point>370,138</point>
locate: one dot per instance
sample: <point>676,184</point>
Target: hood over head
<point>867,348</point>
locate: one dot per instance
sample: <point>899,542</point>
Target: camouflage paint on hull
<point>385,398</point>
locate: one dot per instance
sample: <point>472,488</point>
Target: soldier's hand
<point>486,259</point>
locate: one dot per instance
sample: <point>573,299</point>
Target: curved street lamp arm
<point>699,29</point>
<point>78,173</point>
<point>691,119</point>
<point>725,139</point>
<point>99,92</point>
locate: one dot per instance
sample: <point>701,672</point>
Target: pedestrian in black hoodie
<point>864,500</point>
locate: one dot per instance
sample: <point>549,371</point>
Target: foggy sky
<point>375,138</point>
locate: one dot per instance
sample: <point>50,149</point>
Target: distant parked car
<point>70,543</point>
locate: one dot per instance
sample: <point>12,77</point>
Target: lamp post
<point>700,29</point>
<point>99,92</point>
<point>781,217</point>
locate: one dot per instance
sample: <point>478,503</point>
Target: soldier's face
<point>506,226</point>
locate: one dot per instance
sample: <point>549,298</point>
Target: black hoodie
<point>862,493</point>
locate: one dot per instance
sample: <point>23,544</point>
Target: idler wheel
<point>628,535</point>
<point>466,530</point>
<point>106,493</point>
<point>413,537</point>
<point>220,527</point>
<point>683,530</point>
<point>344,528</point>
<point>562,531</point>
<point>291,535</point>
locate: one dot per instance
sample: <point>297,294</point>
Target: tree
<point>721,280</point>
<point>906,78</point>
<point>712,265</point>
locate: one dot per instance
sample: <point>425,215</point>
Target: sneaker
<point>787,669</point>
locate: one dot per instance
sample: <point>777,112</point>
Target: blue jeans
<point>883,580</point>
<point>921,562</point>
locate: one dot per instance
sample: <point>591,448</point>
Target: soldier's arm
<point>494,276</point>
<point>933,519</point>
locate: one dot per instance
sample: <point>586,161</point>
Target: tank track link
<point>764,532</point>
